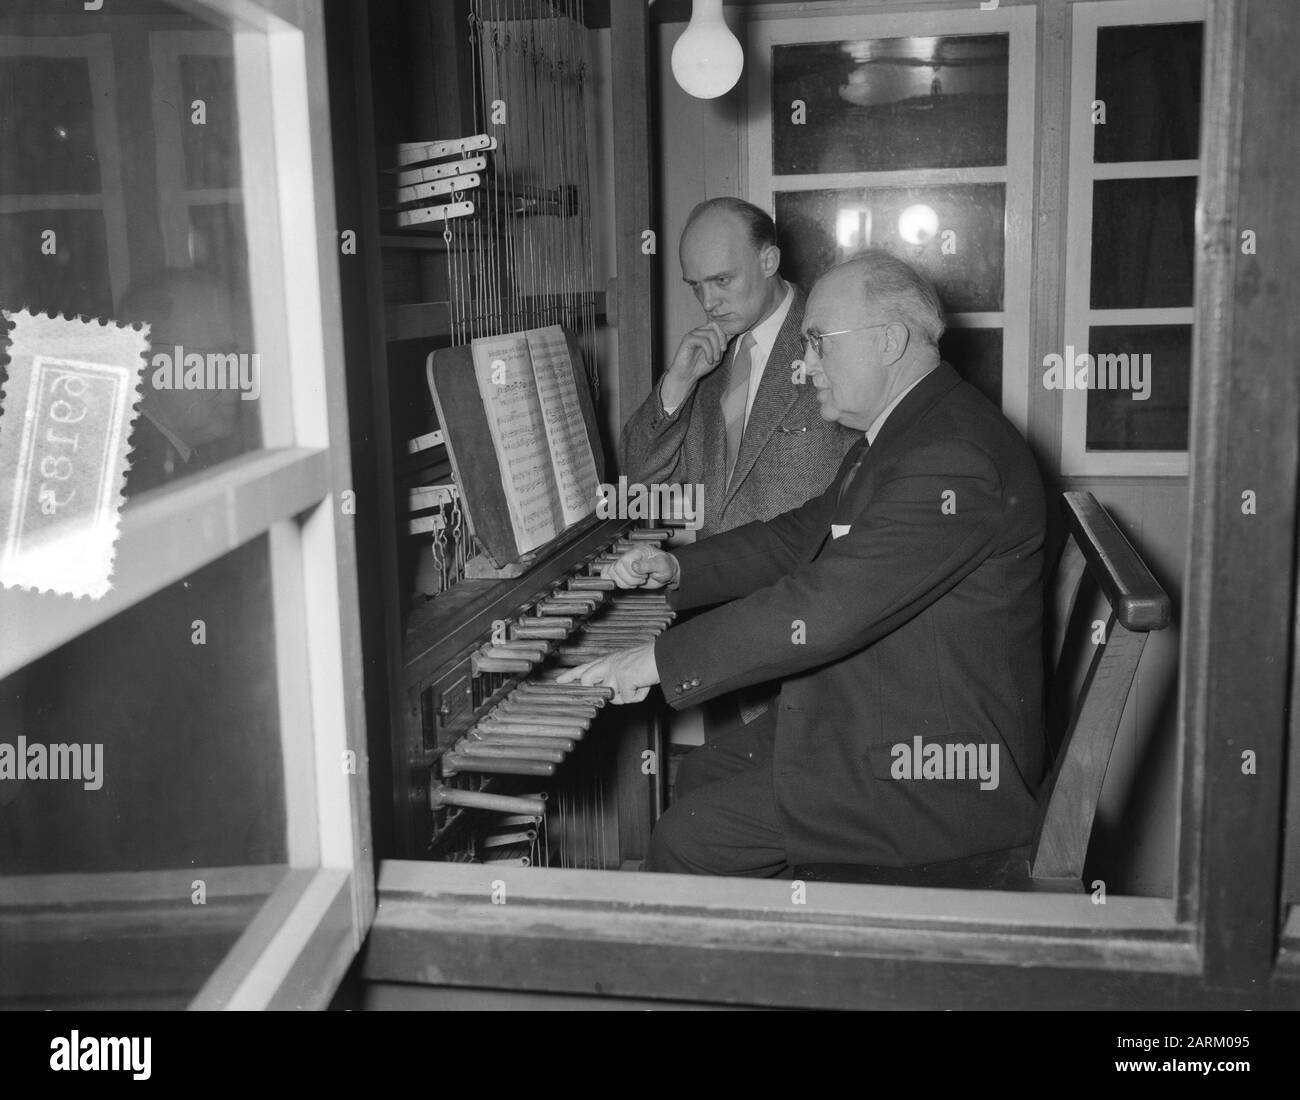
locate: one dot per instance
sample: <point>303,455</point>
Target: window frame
<point>166,48</point>
<point>295,952</point>
<point>771,28</point>
<point>1220,941</point>
<point>1087,18</point>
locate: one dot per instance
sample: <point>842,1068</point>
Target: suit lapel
<point>776,394</point>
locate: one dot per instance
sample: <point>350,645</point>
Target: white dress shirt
<point>765,334</point>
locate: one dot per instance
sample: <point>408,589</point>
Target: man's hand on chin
<point>630,672</point>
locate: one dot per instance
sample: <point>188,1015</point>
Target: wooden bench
<point>1068,797</point>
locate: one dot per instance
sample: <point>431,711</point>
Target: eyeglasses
<point>814,339</point>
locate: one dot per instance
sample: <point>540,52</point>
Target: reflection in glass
<point>178,767</point>
<point>47,128</point>
<point>217,240</point>
<point>976,354</point>
<point>890,103</point>
<point>211,149</point>
<point>144,754</point>
<point>190,734</point>
<point>918,224</point>
<point>1149,79</point>
<point>157,234</point>
<point>56,261</point>
<point>1143,238</point>
<point>953,234</point>
<point>190,412</point>
<point>1158,359</point>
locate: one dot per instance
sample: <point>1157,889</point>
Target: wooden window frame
<point>296,950</point>
<point>166,48</point>
<point>1087,19</point>
<point>843,22</point>
<point>1222,940</point>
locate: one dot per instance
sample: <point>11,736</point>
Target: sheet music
<point>514,412</point>
<point>572,461</point>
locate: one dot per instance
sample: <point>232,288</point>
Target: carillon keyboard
<point>522,769</point>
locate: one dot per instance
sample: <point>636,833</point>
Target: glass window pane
<point>890,103</point>
<point>953,234</point>
<point>1143,243</point>
<point>171,236</point>
<point>168,758</point>
<point>56,261</point>
<point>192,416</point>
<point>1148,375</point>
<point>218,241</point>
<point>212,147</point>
<point>1149,78</point>
<point>47,130</point>
<point>976,354</point>
<point>128,948</point>
<point>190,733</point>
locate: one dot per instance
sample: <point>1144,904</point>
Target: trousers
<point>723,820</point>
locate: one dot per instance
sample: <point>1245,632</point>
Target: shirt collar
<point>879,422</point>
<point>765,332</point>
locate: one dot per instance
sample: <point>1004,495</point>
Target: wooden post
<point>1241,576</point>
<point>638,284</point>
<point>637,313</point>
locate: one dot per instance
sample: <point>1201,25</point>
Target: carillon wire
<point>525,259</point>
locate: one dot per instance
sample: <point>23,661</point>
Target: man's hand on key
<point>630,672</point>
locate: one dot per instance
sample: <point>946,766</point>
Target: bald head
<point>894,289</point>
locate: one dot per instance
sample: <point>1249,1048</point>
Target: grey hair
<point>900,292</point>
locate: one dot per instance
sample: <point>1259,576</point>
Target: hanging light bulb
<point>707,59</point>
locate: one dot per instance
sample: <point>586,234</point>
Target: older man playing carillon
<point>904,602</point>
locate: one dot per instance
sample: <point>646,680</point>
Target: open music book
<point>541,472</point>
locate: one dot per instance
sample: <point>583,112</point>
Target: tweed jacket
<point>787,454</point>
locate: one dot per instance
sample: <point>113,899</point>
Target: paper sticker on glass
<point>65,417</point>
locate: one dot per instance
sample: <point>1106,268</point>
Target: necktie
<point>860,449</point>
<point>735,398</point>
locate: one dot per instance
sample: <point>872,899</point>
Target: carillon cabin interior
<point>641,503</point>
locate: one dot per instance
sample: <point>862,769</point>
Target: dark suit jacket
<point>916,623</point>
<point>787,454</point>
